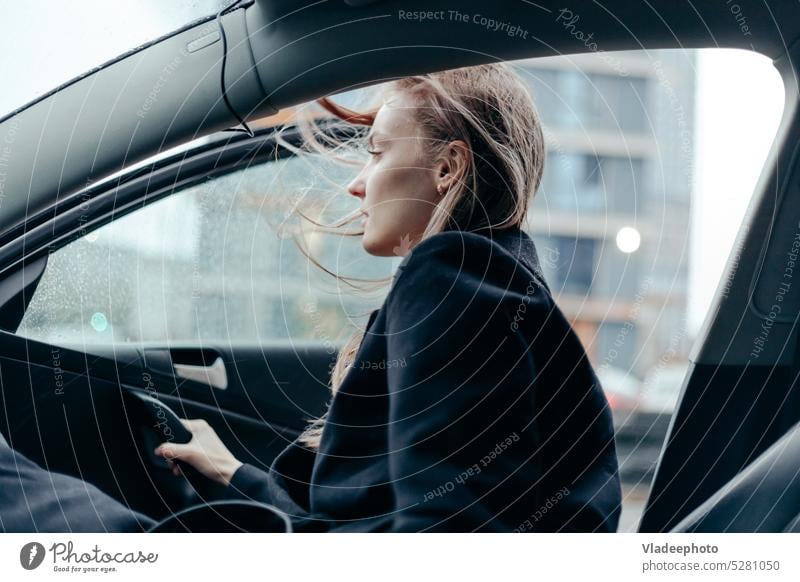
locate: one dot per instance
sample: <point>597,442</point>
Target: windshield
<point>70,38</point>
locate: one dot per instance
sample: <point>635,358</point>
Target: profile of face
<point>400,185</point>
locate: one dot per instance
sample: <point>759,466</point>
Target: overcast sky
<point>739,105</point>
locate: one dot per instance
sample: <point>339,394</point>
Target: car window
<point>216,261</point>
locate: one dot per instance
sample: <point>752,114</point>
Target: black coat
<point>33,499</point>
<point>471,406</point>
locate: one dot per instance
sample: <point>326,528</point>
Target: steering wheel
<point>226,517</point>
<point>156,423</point>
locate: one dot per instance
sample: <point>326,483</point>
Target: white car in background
<point>623,391</point>
<point>661,388</point>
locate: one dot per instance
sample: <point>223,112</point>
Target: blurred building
<point>611,218</point>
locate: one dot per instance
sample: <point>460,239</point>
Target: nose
<point>357,187</point>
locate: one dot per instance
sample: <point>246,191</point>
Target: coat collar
<point>515,241</point>
<point>519,243</point>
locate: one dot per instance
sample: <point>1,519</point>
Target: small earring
<point>439,189</point>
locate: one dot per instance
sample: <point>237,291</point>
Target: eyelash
<point>372,152</point>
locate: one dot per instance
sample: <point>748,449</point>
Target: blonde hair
<point>491,110</point>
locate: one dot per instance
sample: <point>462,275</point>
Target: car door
<point>190,288</point>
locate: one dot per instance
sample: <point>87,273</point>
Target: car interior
<point>81,161</point>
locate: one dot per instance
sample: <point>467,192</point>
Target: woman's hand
<point>205,452</point>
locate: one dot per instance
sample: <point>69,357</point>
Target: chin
<point>376,246</point>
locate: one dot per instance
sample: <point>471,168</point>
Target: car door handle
<point>214,375</point>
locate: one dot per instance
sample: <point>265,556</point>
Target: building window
<point>570,264</point>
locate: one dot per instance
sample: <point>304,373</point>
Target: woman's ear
<point>452,165</point>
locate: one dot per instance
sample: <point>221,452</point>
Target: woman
<point>477,409</point>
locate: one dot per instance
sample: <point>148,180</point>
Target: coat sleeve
<point>249,483</point>
<point>460,434</point>
<point>33,499</point>
<point>284,485</point>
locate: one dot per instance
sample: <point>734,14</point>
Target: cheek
<point>401,207</point>
<point>400,190</point>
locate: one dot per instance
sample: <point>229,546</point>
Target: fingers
<point>172,451</point>
<point>205,452</point>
